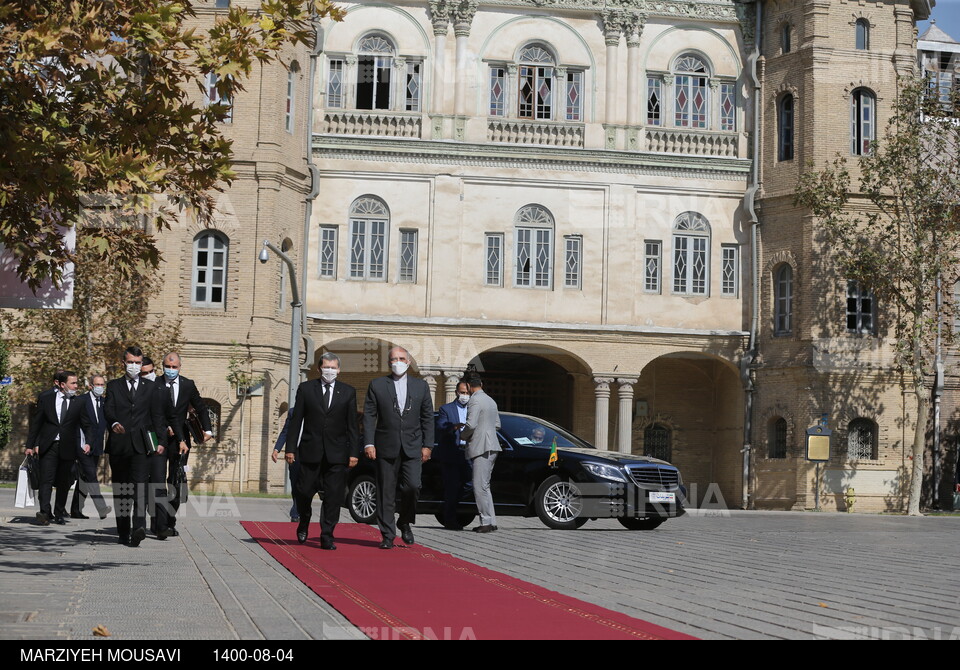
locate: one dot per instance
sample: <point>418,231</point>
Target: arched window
<point>545,91</point>
<point>691,254</point>
<point>369,223</point>
<point>690,92</point>
<point>862,30</point>
<point>288,116</point>
<point>374,76</point>
<point>862,121</point>
<point>785,125</point>
<point>783,300</point>
<point>656,442</point>
<point>533,234</point>
<point>862,440</point>
<point>777,442</point>
<point>785,41</point>
<point>209,283</point>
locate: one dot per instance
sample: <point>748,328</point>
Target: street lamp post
<point>295,327</point>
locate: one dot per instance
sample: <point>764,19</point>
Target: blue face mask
<point>170,373</point>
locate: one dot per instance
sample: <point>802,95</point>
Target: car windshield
<point>530,432</point>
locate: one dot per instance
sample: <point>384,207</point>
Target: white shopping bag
<point>25,495</point>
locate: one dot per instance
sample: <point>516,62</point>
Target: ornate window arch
<point>691,75</point>
<point>374,76</point>
<point>691,254</point>
<point>533,234</point>
<point>545,89</point>
<point>863,121</point>
<point>369,223</point>
<point>208,287</point>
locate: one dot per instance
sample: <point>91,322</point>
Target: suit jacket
<point>187,396</point>
<point>448,435</point>
<point>93,435</point>
<point>45,425</point>
<point>317,432</point>
<point>483,422</point>
<point>149,410</point>
<point>392,429</point>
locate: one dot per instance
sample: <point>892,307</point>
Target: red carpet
<point>417,593</point>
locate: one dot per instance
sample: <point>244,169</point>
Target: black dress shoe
<point>164,534</point>
<point>327,544</point>
<point>137,536</point>
<point>406,533</point>
<point>386,544</point>
<point>105,512</point>
<point>78,515</point>
<point>43,519</point>
<point>60,521</point>
<point>173,532</point>
<point>302,528</point>
<point>484,529</point>
<point>123,540</point>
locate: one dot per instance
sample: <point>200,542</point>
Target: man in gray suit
<point>398,433</point>
<point>483,422</point>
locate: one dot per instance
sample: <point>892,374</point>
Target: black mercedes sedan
<point>582,483</point>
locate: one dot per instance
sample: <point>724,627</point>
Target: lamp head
<point>264,254</point>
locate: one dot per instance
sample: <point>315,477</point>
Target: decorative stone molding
<point>633,28</point>
<point>439,16</point>
<point>519,131</point>
<point>693,142</point>
<point>783,89</point>
<point>783,256</point>
<point>383,124</point>
<point>462,13</point>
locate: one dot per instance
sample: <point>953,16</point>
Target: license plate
<point>662,497</point>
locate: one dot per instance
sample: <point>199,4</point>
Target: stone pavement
<point>712,574</point>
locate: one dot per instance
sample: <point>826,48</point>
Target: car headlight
<point>605,471</point>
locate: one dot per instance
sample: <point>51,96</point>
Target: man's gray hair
<point>329,356</point>
<point>95,375</point>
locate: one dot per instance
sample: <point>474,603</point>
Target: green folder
<point>150,440</point>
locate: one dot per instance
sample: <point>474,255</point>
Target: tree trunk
<point>919,445</point>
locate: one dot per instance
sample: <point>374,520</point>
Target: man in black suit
<point>137,414</point>
<point>55,436</point>
<point>398,429</point>
<point>182,394</point>
<point>89,458</point>
<point>324,438</point>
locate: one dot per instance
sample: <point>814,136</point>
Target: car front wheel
<point>362,499</point>
<point>559,504</point>
<point>648,523</point>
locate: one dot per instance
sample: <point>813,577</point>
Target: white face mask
<point>98,390</point>
<point>133,370</point>
<point>329,374</point>
<point>152,376</point>
<point>463,398</point>
<point>69,392</point>
<point>399,368</point>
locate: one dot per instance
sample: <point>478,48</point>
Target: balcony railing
<point>694,142</point>
<point>362,122</point>
<point>520,131</point>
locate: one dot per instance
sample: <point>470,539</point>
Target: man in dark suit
<point>324,438</point>
<point>54,436</point>
<point>454,468</point>
<point>182,394</point>
<point>136,413</point>
<point>89,458</point>
<point>398,429</point>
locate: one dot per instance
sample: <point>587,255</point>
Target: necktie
<point>133,389</point>
<point>173,393</point>
<point>64,403</point>
<point>326,396</point>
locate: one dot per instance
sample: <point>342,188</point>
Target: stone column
<point>400,83</point>
<point>462,14</point>
<point>625,416</point>
<point>450,380</point>
<point>430,376</point>
<point>440,17</point>
<point>634,31</point>
<point>611,37</point>
<point>602,392</point>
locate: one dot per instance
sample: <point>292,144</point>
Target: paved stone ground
<point>742,575</point>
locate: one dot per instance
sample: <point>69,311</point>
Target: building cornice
<point>404,150</point>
